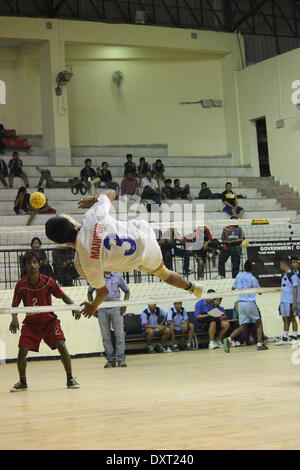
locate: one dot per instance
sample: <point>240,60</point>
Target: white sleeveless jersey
<point>106,244</point>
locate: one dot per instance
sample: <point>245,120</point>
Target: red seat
<point>9,143</point>
<point>12,141</point>
<point>10,133</point>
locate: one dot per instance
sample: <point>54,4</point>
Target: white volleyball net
<point>141,295</point>
<point>254,229</point>
<point>15,241</point>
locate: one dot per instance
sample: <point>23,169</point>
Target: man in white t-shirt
<point>103,243</point>
<point>149,188</point>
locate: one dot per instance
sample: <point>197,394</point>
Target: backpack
<point>77,185</point>
<point>174,312</point>
<point>157,313</point>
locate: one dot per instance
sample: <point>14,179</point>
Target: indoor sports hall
<point>150,227</point>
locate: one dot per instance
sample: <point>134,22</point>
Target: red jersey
<point>38,294</point>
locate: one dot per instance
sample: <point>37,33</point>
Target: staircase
<point>269,188</point>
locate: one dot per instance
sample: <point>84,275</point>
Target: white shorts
<point>285,309</point>
<point>248,312</point>
<point>152,258</point>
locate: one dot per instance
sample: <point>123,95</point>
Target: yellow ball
<point>245,244</point>
<point>37,200</point>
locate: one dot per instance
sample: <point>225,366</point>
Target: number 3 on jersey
<point>119,241</point>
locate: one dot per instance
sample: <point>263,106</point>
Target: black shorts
<point>16,172</point>
<point>205,322</point>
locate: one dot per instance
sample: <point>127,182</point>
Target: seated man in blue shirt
<point>153,320</point>
<point>214,326</point>
<point>178,322</point>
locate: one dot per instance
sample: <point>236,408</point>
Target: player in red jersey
<point>36,289</point>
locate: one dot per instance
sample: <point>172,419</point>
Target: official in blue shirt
<point>113,318</point>
<point>214,326</point>
<point>178,321</point>
<point>247,308</point>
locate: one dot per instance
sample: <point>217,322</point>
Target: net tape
<point>146,300</point>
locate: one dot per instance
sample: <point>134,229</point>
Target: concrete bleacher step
<point>212,181</point>
<point>171,172</point>
<point>35,150</point>
<point>216,161</point>
<point>40,219</point>
<point>66,194</point>
<point>154,150</point>
<point>209,205</point>
<point>34,160</point>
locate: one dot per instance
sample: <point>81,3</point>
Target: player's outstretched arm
<point>89,309</point>
<point>88,202</point>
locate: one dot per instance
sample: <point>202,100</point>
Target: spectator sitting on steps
<point>104,178</point>
<point>3,172</point>
<point>22,201</point>
<point>230,201</point>
<point>129,166</point>
<point>205,192</point>
<point>143,167</point>
<point>2,135</point>
<point>88,173</point>
<point>149,188</point>
<point>130,186</point>
<point>182,193</point>
<point>15,167</point>
<point>158,170</point>
<point>168,191</point>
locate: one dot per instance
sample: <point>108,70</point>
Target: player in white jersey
<point>103,243</point>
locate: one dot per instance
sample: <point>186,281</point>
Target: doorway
<point>262,146</point>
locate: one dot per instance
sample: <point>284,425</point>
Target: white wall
<point>148,112</point>
<point>264,89</point>
<point>162,66</point>
<point>19,68</point>
<point>8,111</point>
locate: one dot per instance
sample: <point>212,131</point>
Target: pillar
<point>55,119</point>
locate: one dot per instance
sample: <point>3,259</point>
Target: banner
<point>265,257</point>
